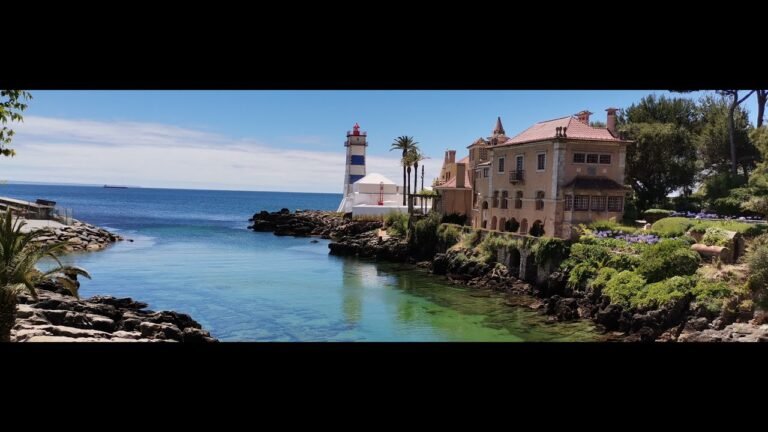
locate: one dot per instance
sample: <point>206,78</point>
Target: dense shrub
<point>714,236</point>
<point>608,225</point>
<point>623,262</point>
<point>604,275</point>
<point>511,225</point>
<point>397,224</point>
<point>690,203</point>
<point>745,229</point>
<point>623,287</point>
<point>595,254</point>
<point>652,215</point>
<point>757,260</point>
<point>550,249</point>
<point>491,244</point>
<point>710,294</point>
<point>581,275</point>
<point>668,258</point>
<point>470,239</point>
<point>448,235</point>
<point>424,240</point>
<point>631,213</point>
<point>454,218</point>
<point>663,293</point>
<point>672,226</point>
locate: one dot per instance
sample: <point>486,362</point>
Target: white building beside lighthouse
<point>366,194</point>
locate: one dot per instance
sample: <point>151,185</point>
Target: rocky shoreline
<point>79,236</point>
<point>681,322</point>
<point>58,317</point>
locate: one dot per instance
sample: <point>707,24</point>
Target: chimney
<point>461,170</point>
<point>446,156</point>
<point>452,156</point>
<point>610,121</point>
<point>584,116</point>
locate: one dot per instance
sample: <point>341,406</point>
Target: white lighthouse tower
<point>355,169</point>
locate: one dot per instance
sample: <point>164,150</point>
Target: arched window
<point>493,223</point>
<point>540,200</point>
<point>537,229</point>
<point>519,199</point>
<point>524,226</point>
<point>485,205</point>
<point>502,224</point>
<point>512,225</point>
<point>504,197</point>
<point>495,199</point>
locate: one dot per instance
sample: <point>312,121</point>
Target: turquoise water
<point>192,253</point>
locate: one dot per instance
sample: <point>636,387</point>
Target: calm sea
<point>192,253</point>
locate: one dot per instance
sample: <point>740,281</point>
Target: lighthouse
<point>355,169</point>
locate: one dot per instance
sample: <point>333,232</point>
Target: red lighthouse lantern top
<point>356,129</point>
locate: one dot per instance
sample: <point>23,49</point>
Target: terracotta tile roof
<point>583,182</point>
<point>577,129</point>
<point>463,160</point>
<point>451,184</point>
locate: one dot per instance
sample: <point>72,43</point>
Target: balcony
<point>516,176</point>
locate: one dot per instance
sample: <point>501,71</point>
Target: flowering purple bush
<point>630,238</point>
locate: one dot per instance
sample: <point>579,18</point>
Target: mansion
<point>546,180</point>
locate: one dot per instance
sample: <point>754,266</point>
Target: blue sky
<point>265,140</point>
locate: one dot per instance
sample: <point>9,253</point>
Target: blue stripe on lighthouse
<point>354,178</point>
<point>357,160</point>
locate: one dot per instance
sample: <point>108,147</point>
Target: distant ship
<point>116,187</point>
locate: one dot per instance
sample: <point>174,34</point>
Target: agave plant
<point>19,253</point>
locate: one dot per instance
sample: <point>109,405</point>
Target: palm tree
<point>18,255</point>
<point>405,144</point>
<point>416,157</point>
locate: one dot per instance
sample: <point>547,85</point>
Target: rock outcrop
<point>55,317</point>
<point>303,223</point>
<point>79,236</point>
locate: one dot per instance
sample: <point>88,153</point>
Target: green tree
<point>652,109</point>
<point>734,103</point>
<point>714,137</point>
<point>11,106</point>
<point>762,98</point>
<point>661,159</point>
<point>757,188</point>
<point>404,144</point>
<point>19,253</point>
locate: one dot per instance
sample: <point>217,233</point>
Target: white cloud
<point>158,155</point>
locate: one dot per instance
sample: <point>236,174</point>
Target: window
<point>504,196</point>
<point>519,163</point>
<point>581,202</point>
<point>501,165</point>
<point>592,158</point>
<point>519,199</point>
<point>615,203</point>
<point>495,199</point>
<point>569,202</point>
<point>598,203</point>
<point>541,161</point>
<point>486,171</point>
<point>540,200</point>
